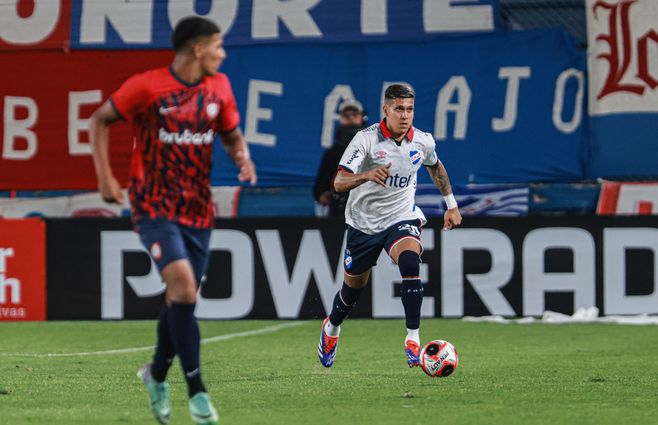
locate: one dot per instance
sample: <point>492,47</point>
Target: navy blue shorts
<point>168,241</point>
<point>362,250</point>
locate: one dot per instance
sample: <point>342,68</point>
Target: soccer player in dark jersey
<point>176,112</point>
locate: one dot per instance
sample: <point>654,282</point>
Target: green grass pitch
<point>508,374</point>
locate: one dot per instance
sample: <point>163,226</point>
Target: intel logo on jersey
<point>415,157</point>
<point>397,181</point>
<point>187,137</point>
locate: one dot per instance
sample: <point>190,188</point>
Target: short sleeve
<point>131,98</point>
<point>354,154</point>
<point>430,153</point>
<point>229,117</point>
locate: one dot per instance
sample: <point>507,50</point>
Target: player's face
<point>212,54</point>
<point>399,115</point>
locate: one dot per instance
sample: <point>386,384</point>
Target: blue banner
<point>504,108</point>
<point>496,200</point>
<point>148,24</point>
<point>624,146</point>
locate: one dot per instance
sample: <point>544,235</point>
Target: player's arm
<point>439,175</point>
<point>349,173</point>
<point>238,151</point>
<point>99,139</point>
<point>345,180</point>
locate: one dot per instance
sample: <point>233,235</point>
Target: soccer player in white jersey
<point>379,169</point>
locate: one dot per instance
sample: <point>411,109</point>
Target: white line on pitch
<point>266,330</point>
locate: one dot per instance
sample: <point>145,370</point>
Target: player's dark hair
<point>190,28</point>
<point>397,91</point>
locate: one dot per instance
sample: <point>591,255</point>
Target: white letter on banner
<point>486,285</point>
<point>339,93</point>
<point>536,281</point>
<point>513,74</point>
<point>241,301</point>
<point>255,113</point>
<point>443,106</point>
<point>113,245</point>
<point>131,20</point>
<point>13,284</point>
<point>221,12</point>
<point>4,254</point>
<point>386,274</point>
<point>443,16</point>
<point>616,242</point>
<point>15,128</point>
<point>374,16</point>
<point>294,13</point>
<point>15,29</point>
<point>76,124</point>
<point>558,102</point>
<point>288,291</point>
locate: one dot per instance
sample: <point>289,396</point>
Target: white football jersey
<point>372,208</point>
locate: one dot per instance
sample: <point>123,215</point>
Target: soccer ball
<point>439,358</point>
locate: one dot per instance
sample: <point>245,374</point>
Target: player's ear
<point>197,49</point>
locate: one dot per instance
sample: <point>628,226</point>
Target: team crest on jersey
<point>415,157</point>
<point>380,154</point>
<point>156,251</point>
<point>212,110</point>
<point>348,260</point>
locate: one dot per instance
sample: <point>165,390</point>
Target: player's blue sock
<point>412,289</point>
<point>164,350</point>
<point>343,303</point>
<point>187,340</point>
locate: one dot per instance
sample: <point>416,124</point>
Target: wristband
<point>450,201</point>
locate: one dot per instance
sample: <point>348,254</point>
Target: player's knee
<point>356,281</point>
<point>183,292</point>
<point>409,264</point>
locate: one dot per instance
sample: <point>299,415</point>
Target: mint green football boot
<point>158,394</point>
<point>202,410</point>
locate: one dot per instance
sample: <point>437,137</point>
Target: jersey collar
<point>180,80</point>
<point>386,133</point>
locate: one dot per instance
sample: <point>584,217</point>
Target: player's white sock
<point>331,330</point>
<point>414,335</point>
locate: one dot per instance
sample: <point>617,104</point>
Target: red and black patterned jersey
<point>174,126</point>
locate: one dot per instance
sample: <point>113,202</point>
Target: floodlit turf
<point>508,374</point>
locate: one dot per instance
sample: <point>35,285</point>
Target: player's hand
<point>451,219</point>
<point>247,169</point>
<point>110,190</point>
<point>379,174</point>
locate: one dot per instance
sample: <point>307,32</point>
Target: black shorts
<point>167,241</point>
<point>362,250</point>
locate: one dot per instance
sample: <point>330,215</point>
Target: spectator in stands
<point>351,119</point>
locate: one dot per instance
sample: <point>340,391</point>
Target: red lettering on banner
<point>645,208</point>
<point>22,270</point>
<point>620,54</point>
<point>643,55</point>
